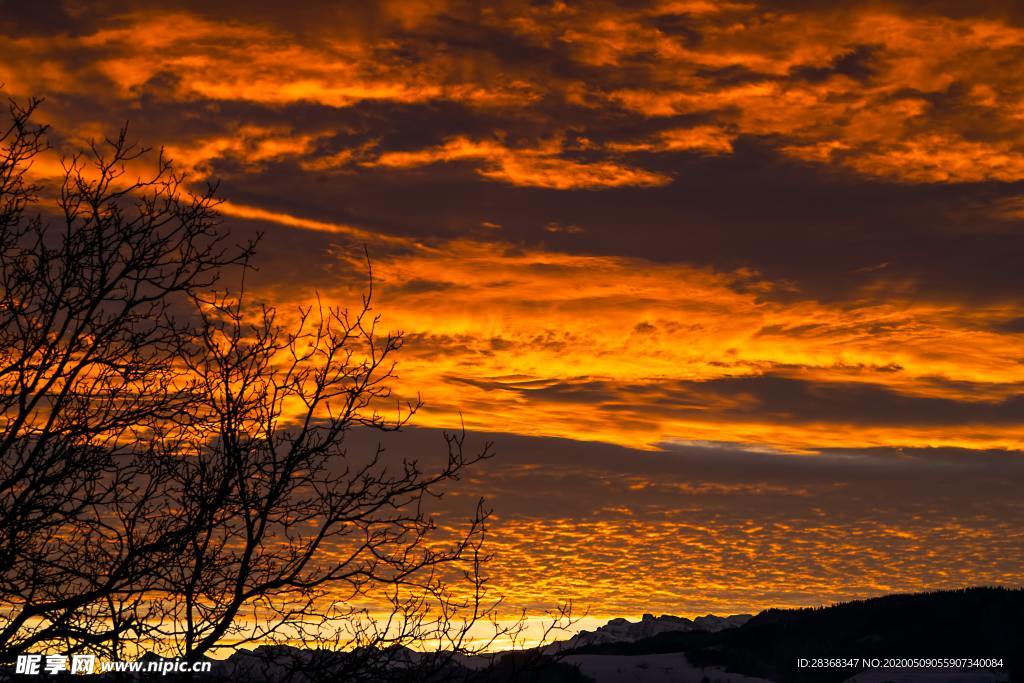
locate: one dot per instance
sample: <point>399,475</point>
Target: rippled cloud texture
<point>747,275</point>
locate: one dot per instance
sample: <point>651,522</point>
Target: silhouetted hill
<point>973,622</point>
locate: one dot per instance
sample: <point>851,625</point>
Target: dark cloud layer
<point>780,399</point>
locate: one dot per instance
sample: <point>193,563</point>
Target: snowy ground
<point>668,668</point>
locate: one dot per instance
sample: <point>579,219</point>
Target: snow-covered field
<point>667,668</point>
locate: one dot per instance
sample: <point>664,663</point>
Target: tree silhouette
<point>87,393</point>
<point>283,515</point>
<point>174,469</point>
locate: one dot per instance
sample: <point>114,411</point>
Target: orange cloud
<point>252,146</point>
<point>898,96</point>
<point>532,167</point>
<point>705,139</point>
<point>625,566</point>
<point>638,353</point>
<point>938,159</point>
<point>861,88</point>
<point>236,60</point>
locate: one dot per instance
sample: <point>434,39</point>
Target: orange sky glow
<point>734,286</point>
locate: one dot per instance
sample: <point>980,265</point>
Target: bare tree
<point>285,516</point>
<point>88,294</point>
<point>296,535</point>
<point>174,469</point>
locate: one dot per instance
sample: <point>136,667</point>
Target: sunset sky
<point>735,287</point>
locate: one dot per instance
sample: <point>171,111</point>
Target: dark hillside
<point>968,623</point>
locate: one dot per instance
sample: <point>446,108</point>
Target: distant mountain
<point>969,623</point>
<point>625,631</point>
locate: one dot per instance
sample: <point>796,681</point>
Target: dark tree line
<point>174,475</point>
